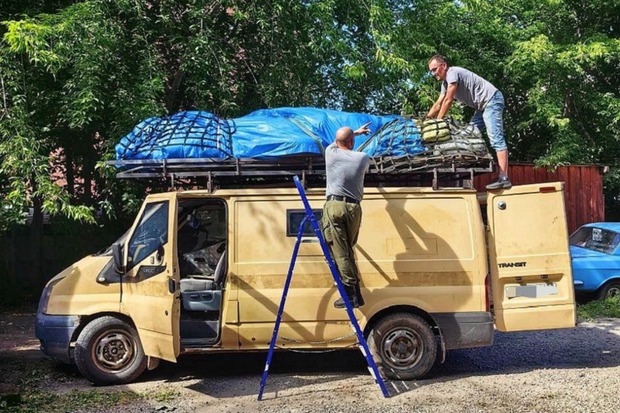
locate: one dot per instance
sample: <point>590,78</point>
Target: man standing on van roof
<point>474,91</point>
<point>342,213</point>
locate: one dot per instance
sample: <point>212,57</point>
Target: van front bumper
<point>55,333</point>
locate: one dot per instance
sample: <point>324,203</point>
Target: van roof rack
<point>457,169</point>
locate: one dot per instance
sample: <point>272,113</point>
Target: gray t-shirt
<point>472,90</point>
<point>345,172</point>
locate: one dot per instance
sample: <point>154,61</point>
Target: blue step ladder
<point>372,366</point>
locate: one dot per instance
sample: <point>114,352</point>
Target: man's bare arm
<point>447,101</point>
<point>435,108</point>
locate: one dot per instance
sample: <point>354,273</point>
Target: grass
<point>36,400</point>
<point>165,395</point>
<point>44,401</point>
<point>609,308</point>
<point>33,376</point>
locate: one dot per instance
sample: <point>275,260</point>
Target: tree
<point>75,78</point>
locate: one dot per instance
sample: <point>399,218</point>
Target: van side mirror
<point>117,254</point>
<point>159,256</point>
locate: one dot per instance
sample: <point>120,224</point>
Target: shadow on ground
<point>591,345</point>
<point>222,376</point>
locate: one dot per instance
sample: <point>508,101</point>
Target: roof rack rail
<point>215,173</point>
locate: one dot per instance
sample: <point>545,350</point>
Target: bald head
<point>345,138</point>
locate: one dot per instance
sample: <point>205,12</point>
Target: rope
<point>201,130</point>
<point>309,133</point>
<point>446,143</point>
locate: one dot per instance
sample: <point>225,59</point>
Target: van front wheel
<point>108,351</point>
<point>403,346</point>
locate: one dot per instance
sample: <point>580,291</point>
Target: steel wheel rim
<point>114,350</point>
<point>613,291</point>
<point>402,348</point>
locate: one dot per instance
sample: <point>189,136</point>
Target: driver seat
<point>205,294</point>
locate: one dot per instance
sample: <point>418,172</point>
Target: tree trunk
<point>36,244</point>
<point>172,94</point>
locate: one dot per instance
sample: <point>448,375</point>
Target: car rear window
<point>596,239</point>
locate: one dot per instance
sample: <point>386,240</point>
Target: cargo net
<point>182,135</point>
<point>439,143</point>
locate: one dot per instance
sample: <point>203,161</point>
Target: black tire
<point>403,346</point>
<point>611,289</point>
<point>108,351</point>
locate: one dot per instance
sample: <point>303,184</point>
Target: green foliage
<point>74,81</point>
<point>28,375</point>
<point>75,76</point>
<point>608,308</point>
<point>74,400</point>
<point>166,395</point>
<point>568,86</point>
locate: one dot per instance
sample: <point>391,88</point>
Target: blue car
<point>596,259</point>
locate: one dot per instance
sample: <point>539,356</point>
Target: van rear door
<point>530,265</point>
<point>150,293</point>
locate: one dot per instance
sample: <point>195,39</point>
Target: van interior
<point>202,257</point>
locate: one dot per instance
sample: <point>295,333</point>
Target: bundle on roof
<point>289,132</point>
<point>263,134</point>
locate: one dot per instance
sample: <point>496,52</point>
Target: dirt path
<point>549,371</point>
<point>17,335</point>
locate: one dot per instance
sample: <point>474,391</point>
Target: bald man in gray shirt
<point>342,213</point>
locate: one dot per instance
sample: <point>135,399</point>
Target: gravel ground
<point>574,370</point>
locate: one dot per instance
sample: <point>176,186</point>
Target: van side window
<point>150,234</point>
<point>294,218</point>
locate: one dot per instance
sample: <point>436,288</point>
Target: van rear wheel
<point>108,351</point>
<point>403,346</point>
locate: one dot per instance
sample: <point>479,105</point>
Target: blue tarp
<point>265,133</point>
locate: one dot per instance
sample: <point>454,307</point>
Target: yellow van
<point>204,272</point>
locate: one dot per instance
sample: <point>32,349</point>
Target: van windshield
<point>596,239</point>
<point>120,240</point>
